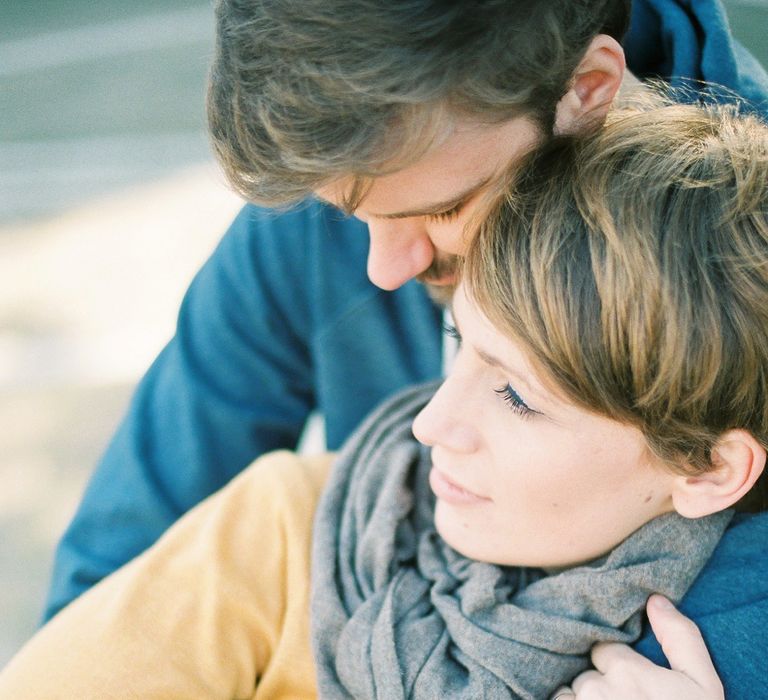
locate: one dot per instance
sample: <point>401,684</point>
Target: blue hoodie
<point>282,321</point>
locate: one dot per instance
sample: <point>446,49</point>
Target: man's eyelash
<point>447,215</point>
<point>515,401</point>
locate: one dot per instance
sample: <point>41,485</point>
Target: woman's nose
<point>445,422</point>
<point>399,250</point>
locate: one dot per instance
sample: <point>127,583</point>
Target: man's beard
<point>441,268</point>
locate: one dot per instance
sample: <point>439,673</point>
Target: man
<point>402,114</point>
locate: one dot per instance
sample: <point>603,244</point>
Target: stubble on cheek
<point>442,266</point>
<point>441,294</point>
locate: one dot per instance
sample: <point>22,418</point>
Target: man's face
<point>416,216</point>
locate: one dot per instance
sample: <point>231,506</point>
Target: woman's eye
<point>515,401</point>
<point>451,332</point>
<point>444,216</point>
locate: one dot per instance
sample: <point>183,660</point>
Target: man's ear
<point>738,461</point>
<point>593,86</point>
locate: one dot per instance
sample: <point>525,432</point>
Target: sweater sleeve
<point>218,608</point>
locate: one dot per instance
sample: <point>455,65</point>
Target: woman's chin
<point>459,535</point>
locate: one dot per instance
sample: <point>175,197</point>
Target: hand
<point>620,672</point>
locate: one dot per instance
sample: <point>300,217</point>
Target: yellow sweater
<point>218,608</point>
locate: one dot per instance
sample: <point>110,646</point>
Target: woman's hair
<point>302,92</point>
<point>633,265</point>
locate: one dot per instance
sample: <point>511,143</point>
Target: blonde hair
<point>633,265</point>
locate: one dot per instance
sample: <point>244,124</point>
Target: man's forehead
<point>436,207</point>
<point>450,173</point>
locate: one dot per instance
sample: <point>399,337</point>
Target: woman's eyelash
<point>447,215</point>
<point>451,331</point>
<point>507,393</point>
<point>514,401</point>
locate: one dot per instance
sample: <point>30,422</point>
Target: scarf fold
<point>397,613</point>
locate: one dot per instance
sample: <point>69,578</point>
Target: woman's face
<point>523,477</point>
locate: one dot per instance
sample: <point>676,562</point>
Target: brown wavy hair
<point>302,92</point>
<point>633,266</point>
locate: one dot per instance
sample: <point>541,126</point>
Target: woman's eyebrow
<point>496,362</point>
<point>487,357</point>
<point>438,207</point>
<point>541,394</point>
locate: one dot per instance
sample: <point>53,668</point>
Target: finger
<point>681,641</point>
<point>607,655</point>
<point>584,679</point>
<point>563,693</point>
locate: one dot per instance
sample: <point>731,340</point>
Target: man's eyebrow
<point>438,207</point>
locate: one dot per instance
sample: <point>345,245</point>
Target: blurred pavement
<point>87,300</point>
<point>109,202</point>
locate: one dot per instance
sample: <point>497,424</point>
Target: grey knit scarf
<point>396,613</point>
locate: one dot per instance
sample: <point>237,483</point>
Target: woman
<point>604,415</point>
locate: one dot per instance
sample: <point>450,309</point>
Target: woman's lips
<point>450,492</point>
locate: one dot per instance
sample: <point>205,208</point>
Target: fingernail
<point>660,602</point>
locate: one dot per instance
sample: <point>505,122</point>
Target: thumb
<point>682,643</point>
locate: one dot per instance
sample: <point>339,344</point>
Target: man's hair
<point>302,92</point>
<point>633,266</point>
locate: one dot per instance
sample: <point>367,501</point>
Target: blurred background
<point>109,202</point>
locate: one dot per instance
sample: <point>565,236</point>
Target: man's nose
<point>399,250</point>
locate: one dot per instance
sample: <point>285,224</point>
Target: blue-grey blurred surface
<point>749,22</point>
<point>96,95</point>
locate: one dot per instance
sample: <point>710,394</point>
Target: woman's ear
<point>593,86</point>
<point>738,461</point>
